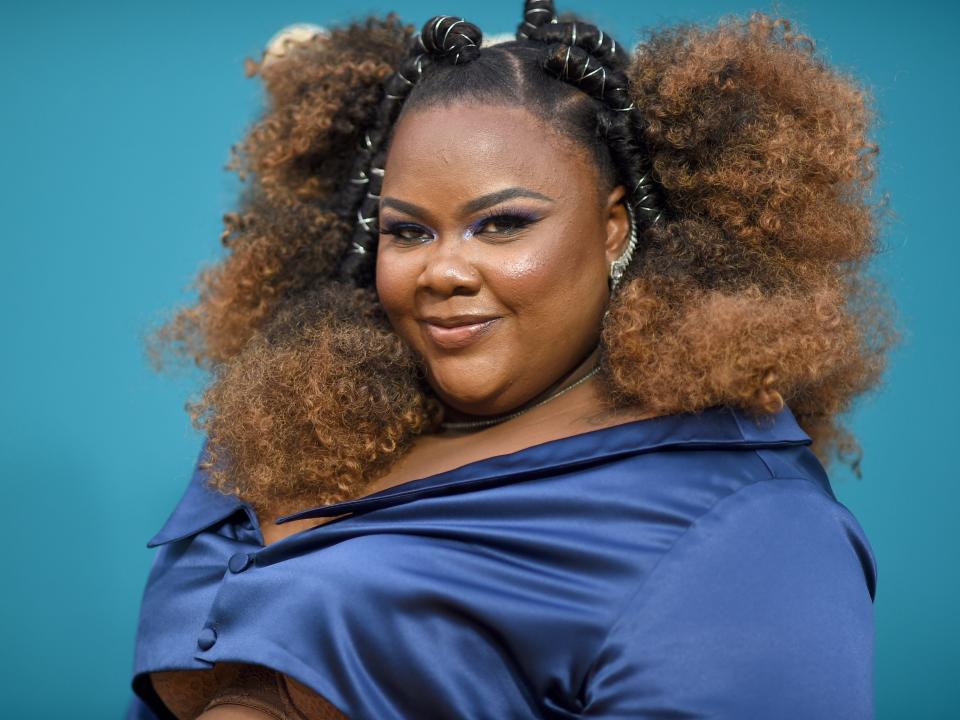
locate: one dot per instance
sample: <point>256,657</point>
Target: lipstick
<point>458,336</point>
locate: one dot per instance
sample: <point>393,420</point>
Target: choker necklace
<point>494,421</point>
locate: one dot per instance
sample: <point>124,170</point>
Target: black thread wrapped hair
<point>623,129</point>
<point>443,38</point>
<point>540,23</point>
<point>437,37</point>
<point>582,54</point>
<point>536,13</point>
<point>593,77</point>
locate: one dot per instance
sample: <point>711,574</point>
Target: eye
<point>504,224</point>
<point>406,233</point>
<point>501,225</point>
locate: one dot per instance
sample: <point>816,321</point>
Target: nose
<point>448,270</point>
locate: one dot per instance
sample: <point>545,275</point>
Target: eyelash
<point>516,221</point>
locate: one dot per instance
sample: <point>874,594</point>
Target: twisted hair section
<point>544,26</point>
<point>583,55</point>
<point>623,129</point>
<point>536,14</point>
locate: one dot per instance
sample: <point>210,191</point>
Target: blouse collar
<point>715,427</point>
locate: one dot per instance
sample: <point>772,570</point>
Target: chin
<point>470,387</point>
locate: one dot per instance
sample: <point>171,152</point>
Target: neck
<point>455,420</point>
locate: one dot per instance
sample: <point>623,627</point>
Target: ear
<point>618,224</point>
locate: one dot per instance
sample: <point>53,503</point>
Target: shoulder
<point>766,599</point>
<point>776,530</point>
<point>784,529</point>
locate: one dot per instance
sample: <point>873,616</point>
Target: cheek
<point>560,275</point>
<point>395,285</point>
<point>518,279</point>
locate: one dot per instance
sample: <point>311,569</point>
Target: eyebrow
<point>471,206</point>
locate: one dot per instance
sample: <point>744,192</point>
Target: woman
<point>528,359</point>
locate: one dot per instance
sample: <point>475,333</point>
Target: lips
<point>450,337</point>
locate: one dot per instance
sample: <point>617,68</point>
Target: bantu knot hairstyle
<point>575,53</point>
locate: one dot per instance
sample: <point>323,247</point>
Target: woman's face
<point>495,247</point>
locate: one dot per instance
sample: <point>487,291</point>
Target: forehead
<point>470,148</point>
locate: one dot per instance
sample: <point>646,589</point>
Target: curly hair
<point>752,291</point>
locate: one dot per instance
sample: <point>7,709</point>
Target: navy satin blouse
<point>686,566</point>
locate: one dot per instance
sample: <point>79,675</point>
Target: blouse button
<point>239,562</point>
<point>206,638</point>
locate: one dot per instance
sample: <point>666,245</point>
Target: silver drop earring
<point>619,266</point>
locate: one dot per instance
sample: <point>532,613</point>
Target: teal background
<point>116,123</point>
